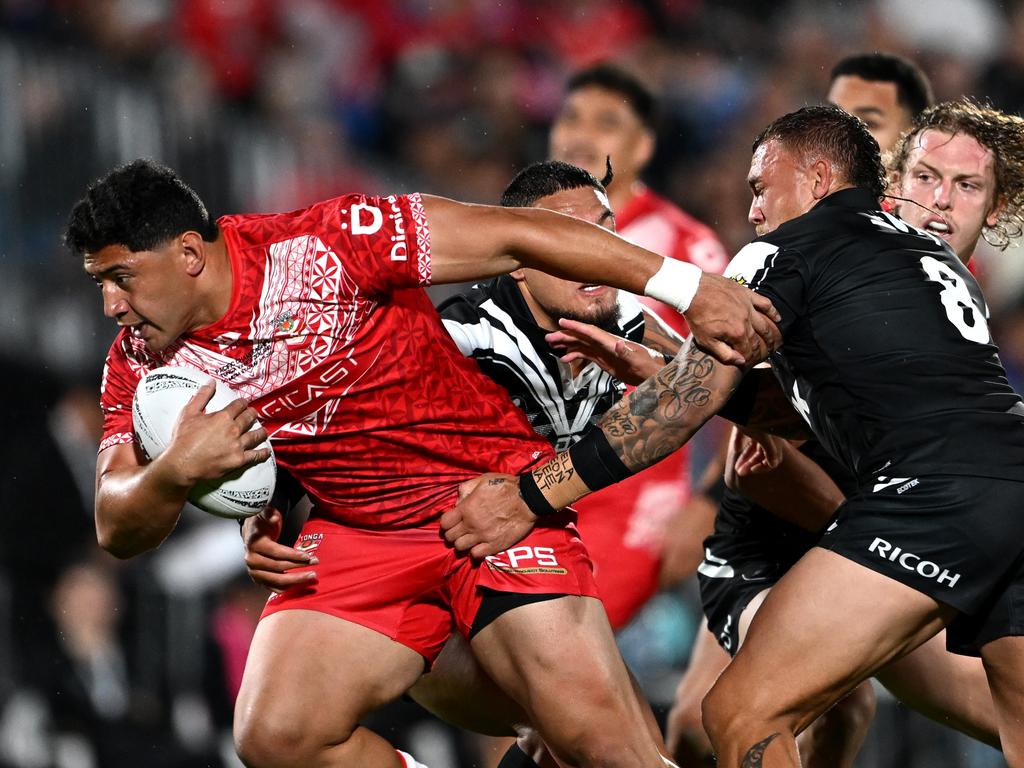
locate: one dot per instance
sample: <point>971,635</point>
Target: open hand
<point>270,564</point>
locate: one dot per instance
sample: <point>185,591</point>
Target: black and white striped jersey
<point>492,324</point>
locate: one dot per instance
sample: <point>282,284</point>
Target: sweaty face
<point>551,298</point>
<point>146,291</point>
<point>782,187</point>
<point>594,124</point>
<point>874,102</point>
<point>952,180</point>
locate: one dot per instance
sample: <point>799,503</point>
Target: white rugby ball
<point>159,398</point>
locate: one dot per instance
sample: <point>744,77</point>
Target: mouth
<point>592,290</point>
<point>938,227</point>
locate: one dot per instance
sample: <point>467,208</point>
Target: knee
<point>277,742</point>
<point>731,715</point>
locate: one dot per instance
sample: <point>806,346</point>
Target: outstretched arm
<point>655,419</point>
<point>475,241</point>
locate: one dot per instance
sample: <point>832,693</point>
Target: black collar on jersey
<point>851,197</point>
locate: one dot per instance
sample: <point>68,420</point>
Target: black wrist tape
<point>596,462</point>
<point>534,499</point>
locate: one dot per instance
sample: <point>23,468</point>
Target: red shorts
<point>624,526</point>
<point>409,585</point>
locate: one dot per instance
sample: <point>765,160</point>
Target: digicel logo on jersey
<point>368,219</point>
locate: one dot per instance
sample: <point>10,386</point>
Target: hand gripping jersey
<point>622,525</point>
<point>366,399</point>
<point>886,350</point>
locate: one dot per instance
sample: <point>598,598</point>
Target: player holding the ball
<point>316,319</point>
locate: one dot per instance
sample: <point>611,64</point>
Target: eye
<point>121,280</point>
<point>968,186</point>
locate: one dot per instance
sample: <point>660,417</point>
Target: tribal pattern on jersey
<point>330,336</point>
<point>886,351</point>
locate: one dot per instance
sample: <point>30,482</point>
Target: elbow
<point>118,542</point>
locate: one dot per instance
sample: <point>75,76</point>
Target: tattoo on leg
<point>755,755</point>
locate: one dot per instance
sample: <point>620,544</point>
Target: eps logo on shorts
<point>526,560</point>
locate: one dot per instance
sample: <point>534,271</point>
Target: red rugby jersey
<point>330,336</point>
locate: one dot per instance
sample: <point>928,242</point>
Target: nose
<point>114,302</point>
<point>944,195</point>
<point>755,215</point>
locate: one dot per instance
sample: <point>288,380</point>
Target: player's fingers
<point>236,407</point>
<point>279,582</point>
<point>246,419</point>
<point>764,305</point>
<point>482,550</point>
<point>198,402</point>
<point>722,352</point>
<point>766,330</point>
<point>255,456</point>
<point>262,549</point>
<point>452,534</point>
<point>253,437</point>
<point>465,542</point>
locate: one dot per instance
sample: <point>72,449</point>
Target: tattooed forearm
<point>755,755</point>
<point>556,471</point>
<point>664,412</point>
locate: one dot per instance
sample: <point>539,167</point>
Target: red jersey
<point>659,225</point>
<point>329,335</point>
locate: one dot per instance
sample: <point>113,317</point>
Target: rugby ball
<point>159,398</point>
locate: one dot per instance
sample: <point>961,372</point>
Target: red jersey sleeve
<point>386,240</point>
<point>117,390</point>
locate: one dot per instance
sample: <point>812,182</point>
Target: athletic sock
<point>408,760</point>
<point>516,758</point>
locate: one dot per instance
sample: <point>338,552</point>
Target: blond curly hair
<point>1000,133</point>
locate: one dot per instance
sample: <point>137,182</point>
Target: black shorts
<point>957,539</point>
<point>741,560</point>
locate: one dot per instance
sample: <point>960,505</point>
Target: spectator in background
<point>609,114</point>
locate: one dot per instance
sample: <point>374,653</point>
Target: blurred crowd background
<point>271,105</point>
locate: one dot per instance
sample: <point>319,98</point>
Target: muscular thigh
<point>827,625</point>
<point>321,673</point>
<point>459,691</point>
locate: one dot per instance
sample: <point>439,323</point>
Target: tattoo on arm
<point>496,481</point>
<point>556,471</point>
<point>755,755</point>
<point>659,335</point>
<point>664,412</point>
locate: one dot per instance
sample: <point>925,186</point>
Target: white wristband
<point>675,283</point>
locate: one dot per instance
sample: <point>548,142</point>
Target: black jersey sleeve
<point>780,274</point>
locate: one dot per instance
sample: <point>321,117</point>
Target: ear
<point>644,151</point>
<point>193,250</point>
<point>993,215</point>
<point>821,176</point>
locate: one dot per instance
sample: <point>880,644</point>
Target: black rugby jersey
<point>886,350</point>
<point>492,324</point>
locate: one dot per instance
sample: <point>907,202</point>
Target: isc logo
<point>524,557</point>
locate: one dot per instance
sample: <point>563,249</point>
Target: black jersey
<point>492,324</point>
<point>886,350</point>
<point>738,516</point>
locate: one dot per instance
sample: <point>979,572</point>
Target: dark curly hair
<point>828,131</point>
<point>1001,134</point>
<point>548,177</point>
<point>140,206</point>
